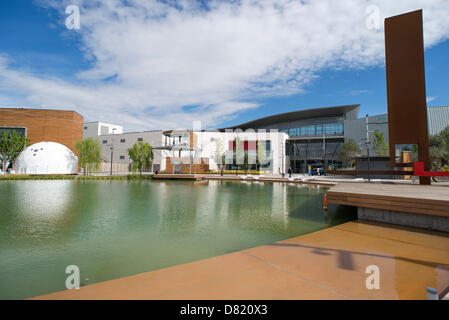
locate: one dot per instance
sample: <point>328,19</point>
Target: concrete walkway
<point>328,264</point>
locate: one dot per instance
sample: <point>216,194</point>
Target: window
<point>105,141</point>
<point>21,131</point>
<point>122,140</point>
<point>139,139</point>
<point>336,128</point>
<point>122,157</point>
<point>308,131</point>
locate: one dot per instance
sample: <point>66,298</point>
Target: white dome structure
<point>46,158</point>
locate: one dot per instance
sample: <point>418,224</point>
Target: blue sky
<point>162,66</point>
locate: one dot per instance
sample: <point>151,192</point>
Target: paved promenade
<point>328,264</point>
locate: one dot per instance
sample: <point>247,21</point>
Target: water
<point>111,229</point>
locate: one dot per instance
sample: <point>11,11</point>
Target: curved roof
<point>300,115</point>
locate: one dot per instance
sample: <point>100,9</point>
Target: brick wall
<point>64,127</point>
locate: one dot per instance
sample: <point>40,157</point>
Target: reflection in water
<point>114,229</point>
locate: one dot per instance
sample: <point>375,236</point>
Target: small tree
<point>12,143</point>
<point>380,146</point>
<point>245,165</point>
<point>238,154</point>
<point>142,156</point>
<point>439,150</point>
<point>220,157</point>
<point>349,151</point>
<point>261,154</point>
<point>89,154</point>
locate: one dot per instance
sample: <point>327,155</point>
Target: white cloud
<point>430,99</point>
<point>358,92</point>
<point>164,57</point>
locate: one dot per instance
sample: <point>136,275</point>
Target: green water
<point>111,229</point>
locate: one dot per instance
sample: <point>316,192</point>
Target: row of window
<point>317,130</point>
<point>122,140</point>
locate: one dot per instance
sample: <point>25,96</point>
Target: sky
<point>149,65</point>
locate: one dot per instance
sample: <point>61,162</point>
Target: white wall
<point>94,129</point>
<point>206,145</point>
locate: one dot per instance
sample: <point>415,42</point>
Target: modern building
<point>438,119</point>
<point>39,125</point>
<point>185,151</point>
<point>95,129</point>
<point>317,135</point>
<point>115,146</point>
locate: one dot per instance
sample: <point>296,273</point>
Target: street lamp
<point>112,148</point>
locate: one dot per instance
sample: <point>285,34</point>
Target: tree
<point>349,151</point>
<point>245,165</point>
<point>238,154</point>
<point>12,143</point>
<point>220,156</point>
<point>380,146</point>
<point>89,154</point>
<point>261,154</point>
<point>439,149</point>
<point>142,156</point>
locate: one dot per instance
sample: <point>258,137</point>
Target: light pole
<point>112,148</point>
<point>367,146</point>
<point>283,166</point>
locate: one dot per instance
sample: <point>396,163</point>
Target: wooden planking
<point>389,206</point>
<point>201,167</point>
<point>429,200</point>
<point>374,201</point>
<point>178,176</point>
<point>64,127</point>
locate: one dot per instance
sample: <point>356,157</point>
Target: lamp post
<point>283,166</point>
<point>112,148</point>
<point>367,146</point>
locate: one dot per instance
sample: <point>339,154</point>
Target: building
<point>310,138</point>
<point>317,135</point>
<point>115,146</point>
<point>438,119</point>
<point>95,129</point>
<point>39,125</point>
<point>185,151</point>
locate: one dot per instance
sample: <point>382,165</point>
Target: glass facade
<point>333,129</point>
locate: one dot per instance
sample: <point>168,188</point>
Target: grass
<point>130,177</point>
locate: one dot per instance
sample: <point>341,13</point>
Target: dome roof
<point>46,158</point>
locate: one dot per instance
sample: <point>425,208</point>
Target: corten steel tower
<point>406,87</point>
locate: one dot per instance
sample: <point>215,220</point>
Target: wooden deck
<point>179,176</point>
<point>427,200</point>
<point>328,264</point>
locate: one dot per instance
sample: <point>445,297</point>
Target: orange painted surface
<point>328,264</point>
<point>64,127</point>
